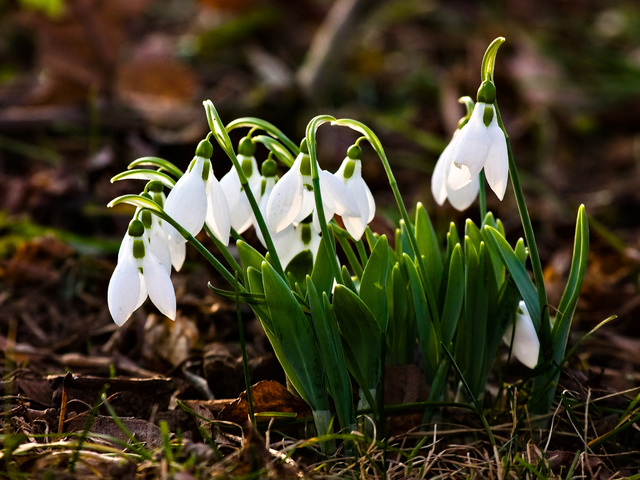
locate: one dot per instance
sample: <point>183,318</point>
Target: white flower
<point>350,173</point>
<point>460,199</point>
<point>235,195</point>
<point>158,237</point>
<point>292,198</point>
<point>480,144</point>
<point>526,345</point>
<point>197,198</point>
<point>139,274</point>
<point>294,240</point>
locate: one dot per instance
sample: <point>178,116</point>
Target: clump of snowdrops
<point>332,314</point>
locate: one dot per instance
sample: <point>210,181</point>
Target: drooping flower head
<point>292,198</point>
<point>463,197</point>
<point>138,275</point>
<point>197,198</point>
<point>526,345</point>
<point>350,173</point>
<point>481,143</point>
<point>236,198</point>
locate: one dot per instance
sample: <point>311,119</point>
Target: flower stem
<point>482,196</point>
<point>536,265</point>
<point>245,360</point>
<point>377,146</point>
<point>220,133</point>
<point>330,242</point>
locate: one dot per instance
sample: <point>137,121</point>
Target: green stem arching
<point>536,265</point>
<point>221,135</point>
<point>252,122</point>
<point>330,244</point>
<point>374,141</point>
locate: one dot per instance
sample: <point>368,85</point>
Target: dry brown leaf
<point>268,396</point>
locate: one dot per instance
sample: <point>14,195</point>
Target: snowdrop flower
<point>350,173</point>
<point>168,252</point>
<point>292,198</point>
<point>138,275</point>
<point>234,193</point>
<point>292,239</point>
<point>296,239</point>
<point>480,144</point>
<point>526,344</point>
<point>460,199</point>
<point>197,198</point>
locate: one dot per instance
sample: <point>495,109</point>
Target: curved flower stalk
<point>480,144</point>
<point>463,197</point>
<point>524,342</point>
<point>198,198</point>
<point>292,198</point>
<point>138,275</point>
<point>234,193</point>
<point>350,173</point>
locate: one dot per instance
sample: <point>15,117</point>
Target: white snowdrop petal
<point>178,252</point>
<point>159,244</point>
<point>237,201</point>
<point>288,244</point>
<point>459,176</point>
<point>187,202</point>
<point>335,194</point>
<point>438,178</point>
<point>308,204</point>
<point>262,205</point>
<point>124,289</point>
<point>218,216</point>
<point>286,199</point>
<point>462,198</point>
<point>496,168</point>
<point>159,286</point>
<point>471,148</point>
<point>526,345</point>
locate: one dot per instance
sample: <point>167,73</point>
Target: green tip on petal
<point>247,147</point>
<point>349,168</point>
<point>138,248</point>
<point>145,218</point>
<point>487,115</point>
<point>136,228</point>
<point>487,92</point>
<point>205,149</point>
<point>354,152</point>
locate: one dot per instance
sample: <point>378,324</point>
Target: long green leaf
<point>296,338</point>
<point>428,246</point>
<point>569,299</point>
<point>361,336</point>
<point>374,282</point>
<point>249,256</point>
<point>454,296</point>
<point>428,339</point>
<point>332,353</point>
<point>250,298</point>
<point>525,285</point>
